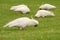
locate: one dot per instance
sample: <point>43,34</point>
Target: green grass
<point>48,28</point>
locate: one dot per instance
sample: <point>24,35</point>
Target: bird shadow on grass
<point>22,12</point>
<point>10,29</point>
<point>45,17</point>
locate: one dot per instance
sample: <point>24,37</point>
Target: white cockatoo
<point>22,22</point>
<point>43,13</point>
<point>21,8</point>
<point>47,6</point>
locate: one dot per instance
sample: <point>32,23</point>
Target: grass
<point>48,29</point>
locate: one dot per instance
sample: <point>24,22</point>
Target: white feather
<point>43,13</point>
<point>22,8</point>
<point>47,6</point>
<point>22,22</point>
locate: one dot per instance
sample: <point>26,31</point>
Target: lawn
<point>48,28</point>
